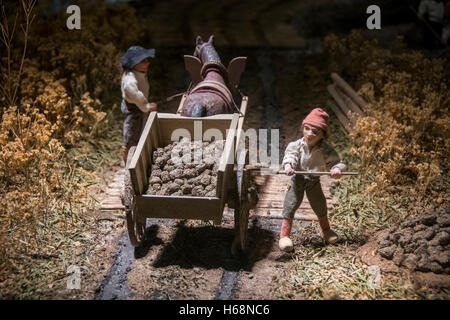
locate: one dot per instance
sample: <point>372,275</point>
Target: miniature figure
<point>135,91</point>
<point>310,153</point>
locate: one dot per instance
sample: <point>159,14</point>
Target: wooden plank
<point>112,203</point>
<point>137,169</point>
<point>239,129</point>
<point>226,164</point>
<point>180,106</point>
<point>114,185</point>
<point>111,207</point>
<point>171,116</point>
<point>156,135</point>
<point>169,124</point>
<point>203,208</point>
<point>228,150</point>
<point>113,193</point>
<point>348,90</point>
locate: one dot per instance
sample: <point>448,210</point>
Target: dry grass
<point>56,140</point>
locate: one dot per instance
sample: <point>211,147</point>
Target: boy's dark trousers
<point>132,126</point>
<point>294,196</point>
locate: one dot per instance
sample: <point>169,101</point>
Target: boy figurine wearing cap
<point>310,153</point>
<point>135,90</point>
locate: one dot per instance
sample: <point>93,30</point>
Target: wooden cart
<point>232,179</point>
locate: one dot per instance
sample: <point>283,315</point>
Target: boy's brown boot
<point>285,243</point>
<point>329,235</point>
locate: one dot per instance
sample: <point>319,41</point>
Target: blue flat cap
<point>134,55</point>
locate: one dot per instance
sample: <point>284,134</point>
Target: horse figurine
<point>213,86</point>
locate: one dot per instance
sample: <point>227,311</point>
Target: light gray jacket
<point>135,89</point>
<point>434,9</point>
<point>322,157</point>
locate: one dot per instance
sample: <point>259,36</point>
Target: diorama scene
<point>225,150</point>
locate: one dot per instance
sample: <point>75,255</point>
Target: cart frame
<point>232,179</point>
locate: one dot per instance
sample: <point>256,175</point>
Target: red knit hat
<point>317,118</point>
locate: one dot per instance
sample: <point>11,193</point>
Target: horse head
<point>210,95</point>
<point>205,51</point>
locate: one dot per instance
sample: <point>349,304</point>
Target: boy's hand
<point>288,169</point>
<point>336,173</point>
<point>153,107</point>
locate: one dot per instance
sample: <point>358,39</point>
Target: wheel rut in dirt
<point>114,286</point>
<point>271,119</point>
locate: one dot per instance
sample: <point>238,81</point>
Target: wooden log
<point>341,116</point>
<point>349,102</point>
<point>342,105</point>
<point>348,90</point>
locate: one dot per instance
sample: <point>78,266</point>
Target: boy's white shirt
<point>135,89</point>
<point>322,157</point>
<point>434,9</point>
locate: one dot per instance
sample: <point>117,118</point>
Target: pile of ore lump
<point>174,171</point>
<point>419,243</point>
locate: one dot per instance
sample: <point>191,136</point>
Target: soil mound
<point>419,243</point>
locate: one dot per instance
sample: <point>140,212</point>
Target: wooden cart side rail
<point>180,106</point>
<point>227,153</point>
<point>171,122</point>
<point>214,117</point>
<point>240,126</point>
<point>141,160</point>
<point>226,163</point>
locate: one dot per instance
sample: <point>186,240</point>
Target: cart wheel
<point>241,210</point>
<point>135,224</point>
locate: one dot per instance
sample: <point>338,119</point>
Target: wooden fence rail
<point>345,103</point>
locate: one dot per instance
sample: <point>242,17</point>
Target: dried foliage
<point>401,151</point>
<point>404,142</point>
<point>51,131</point>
